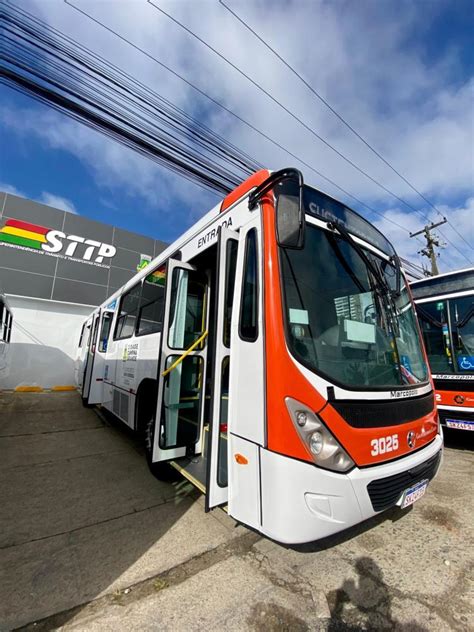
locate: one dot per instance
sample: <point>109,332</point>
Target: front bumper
<point>462,415</point>
<point>302,503</point>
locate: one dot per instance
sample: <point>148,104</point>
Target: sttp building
<point>55,267</point>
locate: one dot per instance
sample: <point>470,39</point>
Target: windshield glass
<point>344,319</point>
<point>448,330</point>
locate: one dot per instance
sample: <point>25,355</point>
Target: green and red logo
<point>19,233</point>
<point>157,277</point>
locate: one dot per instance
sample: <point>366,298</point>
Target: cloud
<point>117,170</point>
<point>50,199</point>
<point>57,202</point>
<point>368,60</point>
<point>460,217</point>
<point>8,188</point>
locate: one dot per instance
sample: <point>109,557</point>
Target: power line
<point>110,102</point>
<point>341,118</point>
<point>232,113</point>
<point>235,115</point>
<point>294,116</point>
<point>412,269</point>
<point>57,70</point>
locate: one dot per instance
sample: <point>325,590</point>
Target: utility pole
<point>431,242</point>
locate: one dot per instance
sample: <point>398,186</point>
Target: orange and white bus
<point>272,355</point>
<point>445,307</point>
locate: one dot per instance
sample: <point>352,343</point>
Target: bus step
<point>194,469</point>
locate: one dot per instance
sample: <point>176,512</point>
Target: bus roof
<point>442,284</point>
<point>338,212</point>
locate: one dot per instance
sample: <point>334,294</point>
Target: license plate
<point>460,424</point>
<point>412,494</point>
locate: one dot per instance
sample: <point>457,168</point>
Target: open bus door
<point>91,343</point>
<point>179,416</point>
<point>217,477</point>
<point>101,336</point>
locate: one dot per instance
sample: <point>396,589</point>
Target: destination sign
<point>326,208</point>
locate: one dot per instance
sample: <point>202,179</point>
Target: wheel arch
<point>145,403</point>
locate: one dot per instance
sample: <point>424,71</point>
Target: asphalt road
<point>89,540</point>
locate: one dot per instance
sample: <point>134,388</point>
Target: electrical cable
<point>104,93</point>
<point>85,87</point>
<point>341,118</point>
<point>295,117</point>
<point>235,115</point>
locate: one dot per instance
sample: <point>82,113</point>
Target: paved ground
<point>89,540</point>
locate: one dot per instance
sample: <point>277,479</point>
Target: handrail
<point>186,353</point>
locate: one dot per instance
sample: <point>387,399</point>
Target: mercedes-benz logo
<point>411,439</point>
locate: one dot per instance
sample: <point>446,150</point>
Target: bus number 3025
<point>384,444</point>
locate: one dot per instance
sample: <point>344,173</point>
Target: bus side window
<point>150,316</point>
<point>5,325</point>
<point>231,262</point>
<point>10,322</point>
<point>248,325</point>
<point>81,337</point>
<point>105,331</point>
<point>128,313</point>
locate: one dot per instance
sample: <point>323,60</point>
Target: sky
<point>400,73</point>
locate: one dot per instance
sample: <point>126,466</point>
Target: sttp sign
<point>23,235</point>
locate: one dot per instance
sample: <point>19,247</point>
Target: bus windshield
<point>448,330</point>
<point>344,318</point>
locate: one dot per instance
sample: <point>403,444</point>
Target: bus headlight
<point>316,442</point>
<point>321,444</point>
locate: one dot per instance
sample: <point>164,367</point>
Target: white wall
<point>44,340</point>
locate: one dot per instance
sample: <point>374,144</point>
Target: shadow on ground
<point>366,604</point>
<point>81,514</point>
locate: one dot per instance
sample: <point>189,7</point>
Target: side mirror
<point>290,219</point>
<point>290,214</point>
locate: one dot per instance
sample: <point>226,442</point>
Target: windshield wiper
<point>345,264</point>
<point>376,273</point>
<point>382,289</point>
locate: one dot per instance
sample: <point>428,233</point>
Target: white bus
<point>90,356</point>
<point>6,322</point>
<point>272,355</point>
<point>445,307</point>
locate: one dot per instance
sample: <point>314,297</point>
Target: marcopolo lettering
<point>400,394</point>
<point>36,237</point>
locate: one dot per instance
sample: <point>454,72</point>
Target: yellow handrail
<point>187,352</point>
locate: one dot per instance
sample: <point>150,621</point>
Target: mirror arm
<point>271,181</point>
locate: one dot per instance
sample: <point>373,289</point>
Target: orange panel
<point>455,398</point>
<point>245,187</point>
<point>283,379</point>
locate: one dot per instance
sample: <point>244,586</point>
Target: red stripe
<point>16,223</point>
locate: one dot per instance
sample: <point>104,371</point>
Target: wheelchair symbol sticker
<point>466,363</point>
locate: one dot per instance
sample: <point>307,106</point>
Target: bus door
<point>101,337</point>
<point>83,352</point>
<point>92,340</point>
<point>216,479</point>
<point>182,366</point>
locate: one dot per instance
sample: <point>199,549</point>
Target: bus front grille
<point>385,492</point>
<point>378,414</point>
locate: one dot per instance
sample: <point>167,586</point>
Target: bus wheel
<point>161,471</point>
